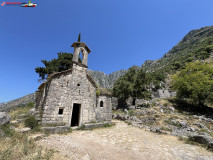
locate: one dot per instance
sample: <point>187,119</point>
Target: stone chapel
<point>70,97</point>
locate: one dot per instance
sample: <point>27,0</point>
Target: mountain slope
<point>17,102</point>
<point>196,45</point>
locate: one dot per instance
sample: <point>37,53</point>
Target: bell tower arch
<point>80,47</point>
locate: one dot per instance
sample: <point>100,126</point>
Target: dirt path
<point>123,142</point>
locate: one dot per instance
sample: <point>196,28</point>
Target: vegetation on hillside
<point>18,146</point>
<point>133,84</point>
<point>195,82</point>
<point>14,145</point>
<point>196,45</point>
<point>138,84</point>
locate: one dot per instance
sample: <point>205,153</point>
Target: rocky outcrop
<point>203,138</point>
<point>166,119</point>
<point>103,80</point>
<point>182,52</point>
<point>161,93</point>
<point>4,118</point>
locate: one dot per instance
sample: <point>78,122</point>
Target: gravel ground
<point>123,142</point>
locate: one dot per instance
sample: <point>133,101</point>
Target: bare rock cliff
<point>106,81</point>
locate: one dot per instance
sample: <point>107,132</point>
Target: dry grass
<point>118,112</point>
<point>18,147</point>
<point>20,110</point>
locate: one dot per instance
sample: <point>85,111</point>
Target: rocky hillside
<point>17,102</point>
<point>106,81</point>
<point>1,104</point>
<point>166,117</point>
<point>197,44</point>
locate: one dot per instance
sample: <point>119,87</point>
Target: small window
<point>60,111</point>
<point>101,104</point>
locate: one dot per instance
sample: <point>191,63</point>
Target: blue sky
<point>120,33</point>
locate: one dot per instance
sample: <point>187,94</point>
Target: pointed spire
<point>79,37</point>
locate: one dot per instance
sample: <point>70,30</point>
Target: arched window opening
<point>101,104</point>
<point>81,56</point>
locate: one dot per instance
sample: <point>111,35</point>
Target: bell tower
<point>80,47</point>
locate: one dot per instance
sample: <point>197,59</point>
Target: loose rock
<point>202,138</point>
<point>4,118</point>
<point>202,126</point>
<point>22,130</point>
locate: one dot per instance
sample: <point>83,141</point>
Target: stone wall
<point>114,103</point>
<point>104,113</point>
<point>63,90</point>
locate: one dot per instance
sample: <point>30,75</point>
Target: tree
<point>123,87</point>
<point>195,82</point>
<point>62,63</point>
<point>132,84</point>
<point>140,85</point>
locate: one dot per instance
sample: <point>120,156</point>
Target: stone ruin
<point>70,97</point>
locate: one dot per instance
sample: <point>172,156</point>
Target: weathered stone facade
<point>69,97</point>
<point>104,108</point>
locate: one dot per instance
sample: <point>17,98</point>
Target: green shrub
<point>97,92</point>
<point>31,122</point>
<point>153,104</point>
<point>190,59</point>
<point>131,113</point>
<point>195,82</point>
<point>109,125</point>
<point>7,131</point>
<point>192,142</point>
<point>30,104</point>
<point>166,104</point>
<point>82,127</point>
<point>173,123</point>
